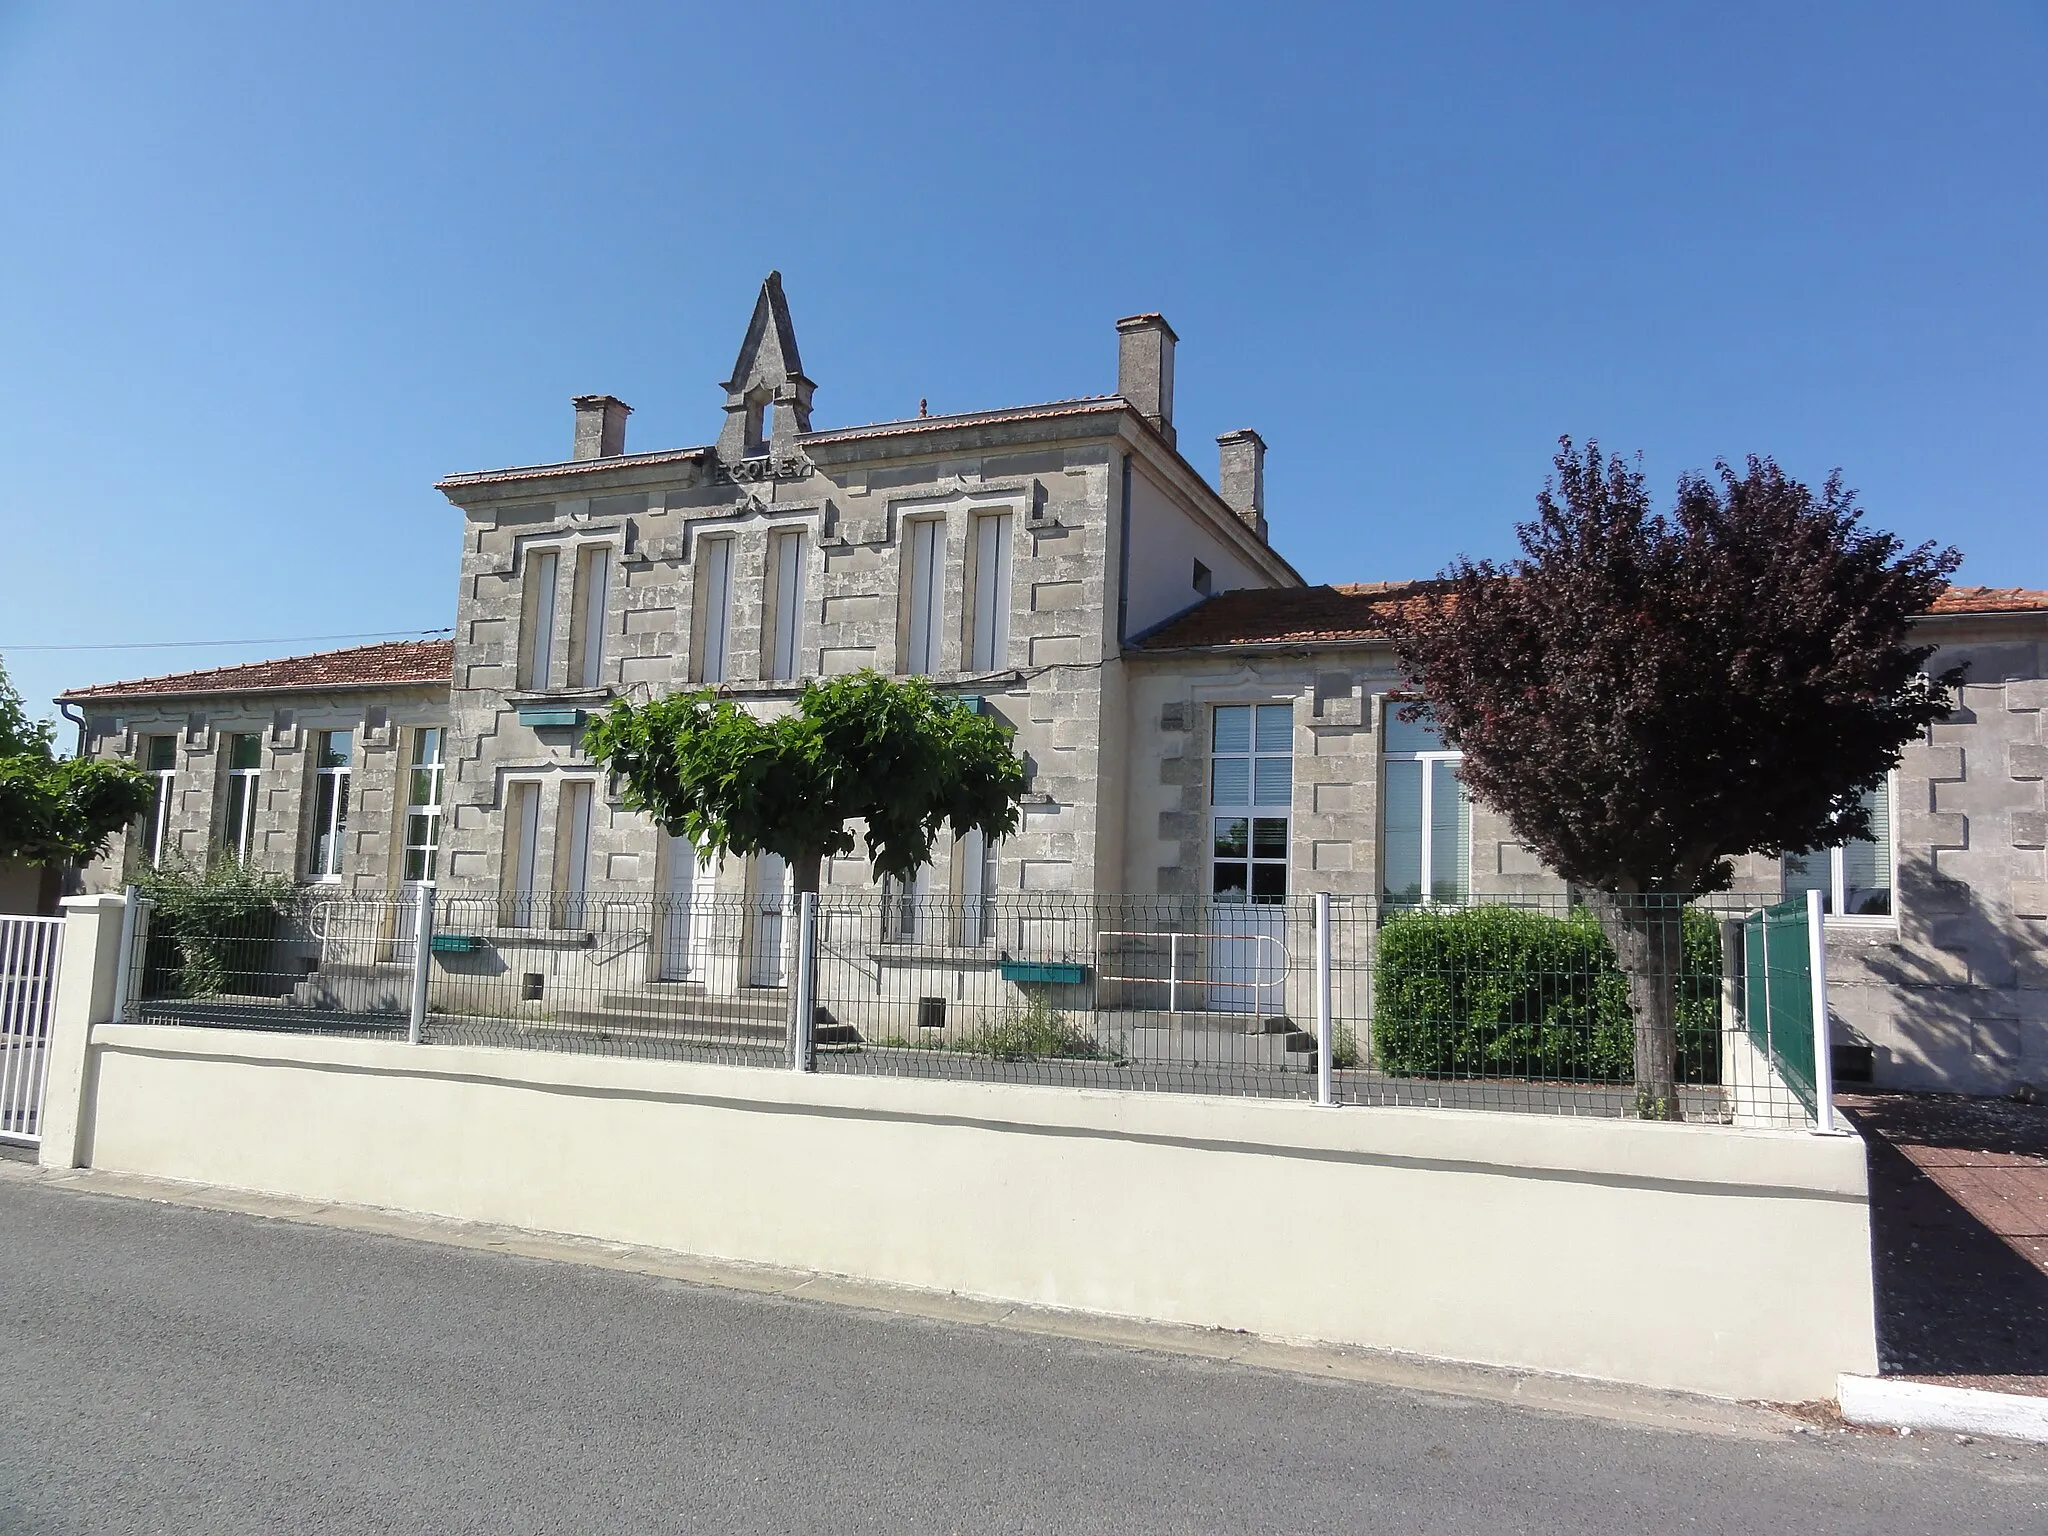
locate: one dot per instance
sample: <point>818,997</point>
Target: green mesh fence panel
<point>1777,995</point>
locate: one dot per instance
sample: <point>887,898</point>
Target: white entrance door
<point>678,892</point>
<point>771,897</point>
<point>1251,786</point>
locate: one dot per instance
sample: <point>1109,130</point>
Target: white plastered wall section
<point>1723,1261</point>
<point>1166,541</point>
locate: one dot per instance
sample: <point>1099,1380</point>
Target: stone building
<point>1938,928</point>
<point>1199,725</point>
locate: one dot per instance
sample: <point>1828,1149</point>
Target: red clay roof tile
<point>1990,600</point>
<point>393,663</point>
<point>1358,612</point>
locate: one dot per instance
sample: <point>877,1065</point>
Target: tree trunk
<point>1648,935</point>
<point>803,873</point>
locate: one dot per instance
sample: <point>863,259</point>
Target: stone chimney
<point>600,426</point>
<point>1241,477</point>
<point>1144,368</point>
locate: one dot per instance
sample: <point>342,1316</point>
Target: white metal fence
<point>29,950</point>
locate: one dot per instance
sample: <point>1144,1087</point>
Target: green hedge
<point>1493,991</point>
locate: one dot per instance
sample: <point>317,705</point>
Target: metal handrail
<point>1173,977</point>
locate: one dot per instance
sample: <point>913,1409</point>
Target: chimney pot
<point>1241,477</point>
<point>600,426</point>
<point>1144,368</point>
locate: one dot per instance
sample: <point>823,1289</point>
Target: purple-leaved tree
<point>1644,697</point>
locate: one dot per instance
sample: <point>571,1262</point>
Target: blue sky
<point>266,272</point>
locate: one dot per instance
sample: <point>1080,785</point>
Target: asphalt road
<point>167,1369</point>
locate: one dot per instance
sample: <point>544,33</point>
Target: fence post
<point>124,978</point>
<point>1326,1035</point>
<point>422,961</point>
<point>803,1033</point>
<point>1823,1045</point>
<point>85,999</point>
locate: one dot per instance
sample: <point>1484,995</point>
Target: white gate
<point>29,947</point>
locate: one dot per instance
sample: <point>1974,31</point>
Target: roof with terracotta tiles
<point>1285,616</point>
<point>1359,612</point>
<point>1990,600</point>
<point>393,663</point>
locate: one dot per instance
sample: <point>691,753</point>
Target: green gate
<point>1777,995</point>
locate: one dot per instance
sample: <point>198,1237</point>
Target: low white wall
<point>1699,1257</point>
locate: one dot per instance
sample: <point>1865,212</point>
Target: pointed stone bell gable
<point>767,399</point>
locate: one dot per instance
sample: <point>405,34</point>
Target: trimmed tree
<point>1645,697</point>
<point>898,757</point>
<point>58,810</point>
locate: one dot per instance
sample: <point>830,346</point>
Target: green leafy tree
<point>52,810</point>
<point>213,931</point>
<point>899,757</point>
<point>1645,696</point>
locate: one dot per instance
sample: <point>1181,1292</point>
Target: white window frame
<point>1837,891</point>
<point>903,906</point>
<point>785,591</point>
<point>592,604</point>
<point>543,577</point>
<point>993,538</point>
<point>429,811</point>
<point>715,555</point>
<point>331,789</point>
<point>242,786</point>
<point>924,582</point>
<point>1249,810</point>
<point>519,879</point>
<point>976,857</point>
<point>575,821</point>
<point>1429,761</point>
<point>158,825</point>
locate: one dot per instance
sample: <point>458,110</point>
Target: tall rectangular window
<point>977,856</point>
<point>903,904</point>
<point>1251,799</point>
<point>785,604</point>
<point>245,767</point>
<point>924,557</point>
<point>587,617</point>
<point>160,761</point>
<point>1853,878</point>
<point>572,847</point>
<point>522,851</point>
<point>991,648</point>
<point>423,804</point>
<point>536,668</point>
<point>333,757</point>
<point>1425,816</point>
<point>714,608</point>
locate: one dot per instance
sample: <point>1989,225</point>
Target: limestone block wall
<point>1953,992</point>
<point>1340,698</point>
<point>380,722</point>
<point>852,517</point>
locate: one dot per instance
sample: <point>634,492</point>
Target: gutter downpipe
<point>64,709</point>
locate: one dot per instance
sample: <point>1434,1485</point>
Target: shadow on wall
<point>1955,1297</point>
<point>1955,999</point>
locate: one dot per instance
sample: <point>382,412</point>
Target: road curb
<point>1888,1403</point>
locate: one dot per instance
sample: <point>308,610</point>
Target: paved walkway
<point>1959,1208</point>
